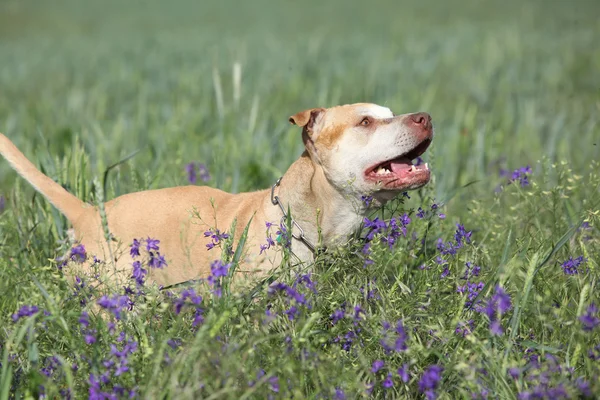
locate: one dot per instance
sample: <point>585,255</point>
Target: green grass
<point>85,85</point>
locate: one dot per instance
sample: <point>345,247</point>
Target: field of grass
<point>491,291</point>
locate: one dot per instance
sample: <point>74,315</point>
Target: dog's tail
<point>68,204</point>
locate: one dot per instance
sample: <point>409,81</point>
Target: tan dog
<point>351,151</point>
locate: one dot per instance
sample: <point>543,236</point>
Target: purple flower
<point>193,169</point>
<point>114,304</point>
<point>471,270</point>
<point>499,304</point>
<point>571,266</point>
<point>24,311</point>
<point>190,169</point>
<point>339,394</point>
<point>152,244</point>
<point>218,269</point>
<point>403,373</point>
<point>388,382</point>
<point>421,213</point>
<point>157,261</point>
<point>366,200</point>
<point>472,290</point>
<point>405,194</point>
<point>337,316</point>
<point>89,338</point>
<point>216,236</point>
<point>445,272</point>
<point>377,365</point>
<point>518,175</point>
<point>134,251</point>
<point>138,273</point>
<point>514,372</point>
<point>78,254</point>
<point>292,313</point>
<point>274,384</point>
<point>589,320</point>
<point>429,381</point>
<point>84,319</point>
<point>465,329</point>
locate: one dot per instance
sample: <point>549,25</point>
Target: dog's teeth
<point>412,168</point>
<point>426,166</point>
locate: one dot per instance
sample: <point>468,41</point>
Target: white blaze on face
<point>374,111</point>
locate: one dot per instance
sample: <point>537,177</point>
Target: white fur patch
<point>375,111</point>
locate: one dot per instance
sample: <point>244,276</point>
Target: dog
<point>352,152</point>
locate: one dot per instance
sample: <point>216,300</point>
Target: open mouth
<point>400,173</point>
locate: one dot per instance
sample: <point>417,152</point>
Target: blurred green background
<point>506,83</point>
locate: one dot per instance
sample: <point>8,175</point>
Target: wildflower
<point>471,270</point>
<point>429,381</point>
<point>445,272</point>
<point>115,304</point>
<point>519,174</point>
<point>403,373</point>
<point>571,266</point>
<point>499,304</point>
<point>465,329</point>
<point>89,338</point>
<point>84,319</point>
<point>584,387</point>
<point>24,311</point>
<point>274,384</point>
<point>283,237</point>
<point>377,365</point>
<point>138,273</point>
<point>421,213</point>
<point>78,253</point>
<point>357,312</point>
<point>292,313</point>
<point>339,394</point>
<point>418,161</point>
<point>134,251</point>
<point>405,194</point>
<point>514,372</point>
<point>157,261</point>
<point>216,236</point>
<point>442,216</point>
<point>190,168</point>
<point>462,236</point>
<point>388,382</point>
<point>152,244</point>
<point>472,290</point>
<point>193,169</point>
<point>337,316</point>
<point>367,200</point>
<point>589,319</point>
<point>594,353</point>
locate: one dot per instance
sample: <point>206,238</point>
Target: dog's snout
<point>421,118</point>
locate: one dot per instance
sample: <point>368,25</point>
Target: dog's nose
<point>421,118</point>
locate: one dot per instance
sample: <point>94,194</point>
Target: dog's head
<point>366,149</point>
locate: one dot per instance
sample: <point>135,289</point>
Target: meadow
<point>483,284</point>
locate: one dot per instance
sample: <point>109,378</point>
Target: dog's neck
<point>326,215</point>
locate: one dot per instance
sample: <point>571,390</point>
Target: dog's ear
<point>306,118</point>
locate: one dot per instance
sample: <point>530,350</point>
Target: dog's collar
<point>298,236</point>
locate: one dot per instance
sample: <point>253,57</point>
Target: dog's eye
<point>366,121</point>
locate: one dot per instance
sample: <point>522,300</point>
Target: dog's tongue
<point>400,165</point>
